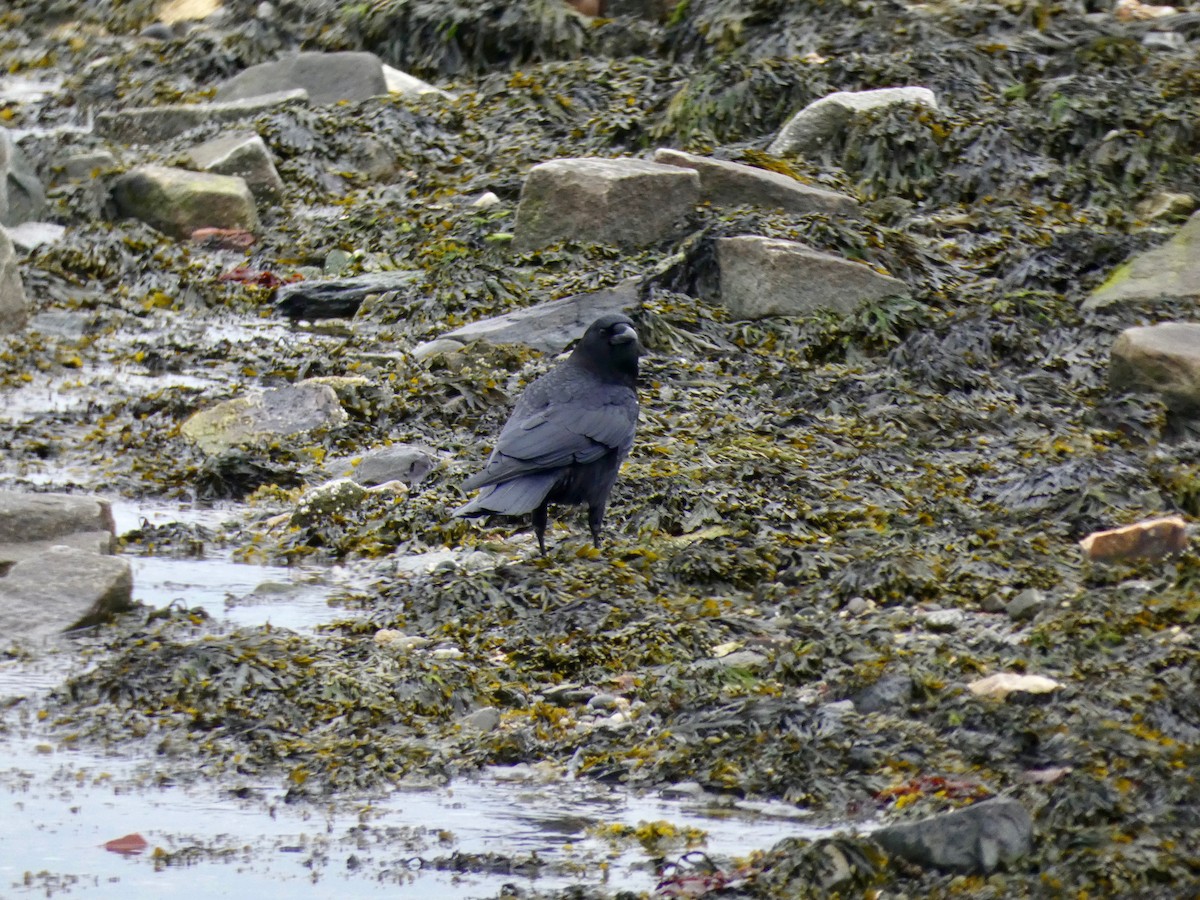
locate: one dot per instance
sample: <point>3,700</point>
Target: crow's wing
<point>562,420</point>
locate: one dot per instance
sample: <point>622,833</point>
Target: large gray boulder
<point>625,202</point>
<point>289,411</point>
<point>1172,270</point>
<point>179,201</point>
<point>725,184</point>
<point>151,124</point>
<point>244,155</point>
<point>977,839</point>
<point>22,197</point>
<point>44,517</point>
<point>1162,359</point>
<point>61,589</point>
<point>762,276</point>
<point>399,462</point>
<point>326,77</point>
<point>811,128</point>
<point>550,326</point>
<point>14,309</point>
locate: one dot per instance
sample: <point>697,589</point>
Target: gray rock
<point>607,701</point>
<point>400,462</point>
<point>429,349</point>
<point>325,77</point>
<point>28,236</point>
<point>1162,359</point>
<point>1026,605</point>
<point>890,694</point>
<point>98,542</point>
<point>743,659</point>
<point>338,297</point>
<point>179,201</point>
<point>244,155</point>
<point>762,276</point>
<point>82,166</point>
<point>151,124</point>
<point>808,130</point>
<point>48,517</point>
<point>623,202</point>
<point>550,326</point>
<point>14,308</point>
<point>1166,205</point>
<point>727,184</point>
<point>1172,270</point>
<point>977,839</point>
<point>294,409</point>
<point>485,719</point>
<point>22,197</point>
<point>61,589</point>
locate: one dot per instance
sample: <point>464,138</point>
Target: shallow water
<point>59,804</point>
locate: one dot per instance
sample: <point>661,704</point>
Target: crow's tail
<point>511,498</point>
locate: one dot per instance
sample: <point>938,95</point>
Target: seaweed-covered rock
<point>726,184</point>
<point>61,589</point>
<point>626,202</point>
<point>326,77</point>
<point>762,276</point>
<point>244,155</point>
<point>1172,270</point>
<point>179,201</point>
<point>336,298</point>
<point>151,124</point>
<point>811,128</point>
<point>550,326</point>
<point>977,839</point>
<point>334,498</point>
<point>1163,359</point>
<point>22,197</point>
<point>14,309</point>
<point>293,409</point>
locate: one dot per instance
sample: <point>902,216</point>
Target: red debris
<point>257,277</point>
<point>933,784</point>
<point>130,845</point>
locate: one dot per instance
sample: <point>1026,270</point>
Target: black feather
<point>568,433</point>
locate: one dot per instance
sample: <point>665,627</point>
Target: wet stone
<point>978,839</point>
<point>400,462</point>
<point>22,196</point>
<point>151,124</point>
<point>944,620</point>
<point>263,415</point>
<point>244,155</point>
<point>337,498</point>
<point>61,589</point>
<point>1026,605</point>
<point>325,77</point>
<point>1163,359</point>
<point>485,719</point>
<point>1170,270</point>
<point>890,694</point>
<point>82,166</point>
<point>42,517</point>
<point>811,128</point>
<point>178,201</point>
<point>14,308</point>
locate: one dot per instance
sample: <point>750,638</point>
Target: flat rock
<point>977,839</point>
<point>98,542</point>
<point>325,77</point>
<point>294,409</point>
<point>551,326</point>
<point>811,128</point>
<point>890,694</point>
<point>47,517</point>
<point>762,276</point>
<point>60,589</point>
<point>14,308</point>
<point>1000,685</point>
<point>151,124</point>
<point>244,155</point>
<point>1026,605</point>
<point>180,201</point>
<point>1172,270</point>
<point>22,196</point>
<point>1151,539</point>
<point>1161,359</point>
<point>401,84</point>
<point>337,298</point>
<point>621,202</point>
<point>28,236</point>
<point>727,184</point>
<point>400,462</point>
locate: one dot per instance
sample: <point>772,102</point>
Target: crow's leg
<point>596,521</point>
<point>540,515</point>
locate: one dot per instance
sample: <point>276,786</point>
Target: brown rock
<point>1149,539</point>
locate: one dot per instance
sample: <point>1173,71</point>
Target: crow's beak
<point>623,334</point>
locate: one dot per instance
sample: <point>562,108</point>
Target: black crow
<point>568,433</point>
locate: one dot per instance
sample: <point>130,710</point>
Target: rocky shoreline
<point>918,284</point>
